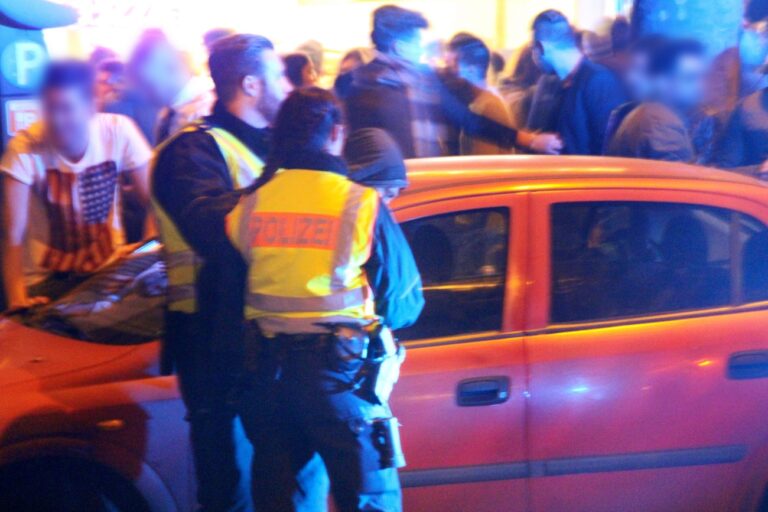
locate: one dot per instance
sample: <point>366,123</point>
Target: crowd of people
<point>127,149</point>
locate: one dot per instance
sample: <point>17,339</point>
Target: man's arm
<point>393,275</point>
<point>18,179</point>
<point>139,179</point>
<point>458,113</point>
<point>16,202</point>
<point>136,154</point>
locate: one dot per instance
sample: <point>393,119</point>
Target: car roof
<point>477,172</point>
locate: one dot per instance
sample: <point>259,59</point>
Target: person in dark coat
<point>375,160</point>
<point>743,145</point>
<point>670,123</point>
<point>578,104</point>
<point>423,110</point>
<point>193,185</point>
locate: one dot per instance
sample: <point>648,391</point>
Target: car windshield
<point>121,304</point>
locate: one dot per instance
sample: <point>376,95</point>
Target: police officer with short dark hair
<point>197,179</point>
<point>330,274</point>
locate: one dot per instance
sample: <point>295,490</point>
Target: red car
<point>595,339</point>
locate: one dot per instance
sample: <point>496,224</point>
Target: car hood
<point>28,354</point>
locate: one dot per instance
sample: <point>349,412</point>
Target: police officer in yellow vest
<point>197,180</point>
<point>330,274</point>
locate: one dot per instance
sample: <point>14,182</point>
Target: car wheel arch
<point>131,470</point>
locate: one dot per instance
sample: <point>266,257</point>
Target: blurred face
<point>276,86</point>
<point>410,48</point>
<point>688,82</point>
<point>636,77</point>
<point>753,47</point>
<point>163,74</point>
<point>107,87</point>
<point>67,113</point>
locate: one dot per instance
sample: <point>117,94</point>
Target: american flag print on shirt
<point>79,212</point>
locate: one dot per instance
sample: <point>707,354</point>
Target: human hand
<point>546,144</point>
<point>27,303</point>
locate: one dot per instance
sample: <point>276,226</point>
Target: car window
<point>121,304</point>
<point>462,258</point>
<point>618,259</point>
<point>754,259</point>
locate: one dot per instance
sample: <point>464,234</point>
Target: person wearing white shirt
<point>61,181</point>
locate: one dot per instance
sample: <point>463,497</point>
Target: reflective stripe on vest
<point>182,264</point>
<point>307,235</point>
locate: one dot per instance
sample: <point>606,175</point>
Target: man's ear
<point>335,144</point>
<point>252,86</point>
<point>337,132</point>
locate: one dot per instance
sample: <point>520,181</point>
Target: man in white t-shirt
<point>61,189</point>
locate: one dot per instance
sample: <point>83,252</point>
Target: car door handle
<point>482,391</point>
<point>751,364</point>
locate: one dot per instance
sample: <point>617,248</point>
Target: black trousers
<point>206,388</point>
<point>310,429</point>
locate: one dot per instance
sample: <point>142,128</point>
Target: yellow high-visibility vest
<point>306,235</point>
<point>182,263</point>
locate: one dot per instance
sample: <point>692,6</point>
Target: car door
<point>647,350</point>
<point>461,399</point>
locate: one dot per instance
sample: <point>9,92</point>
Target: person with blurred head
<point>421,109</point>
<point>198,177</point>
<point>669,124</point>
<point>62,207</point>
<point>133,101</point>
<point>753,52</point>
<point>165,75</point>
<point>589,91</point>
<point>375,160</point>
<point>637,77</point>
<point>743,144</point>
<point>110,82</point>
<point>470,61</point>
<point>330,288</point>
<point>637,82</point>
<point>299,70</point>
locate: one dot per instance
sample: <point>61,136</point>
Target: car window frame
<point>538,308</point>
<point>513,308</point>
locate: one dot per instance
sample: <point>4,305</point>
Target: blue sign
<point>22,63</point>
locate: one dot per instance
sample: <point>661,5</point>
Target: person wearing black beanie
<point>375,160</point>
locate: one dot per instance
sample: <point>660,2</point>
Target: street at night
<point>356,255</point>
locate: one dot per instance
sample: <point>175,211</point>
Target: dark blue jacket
<point>588,98</point>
